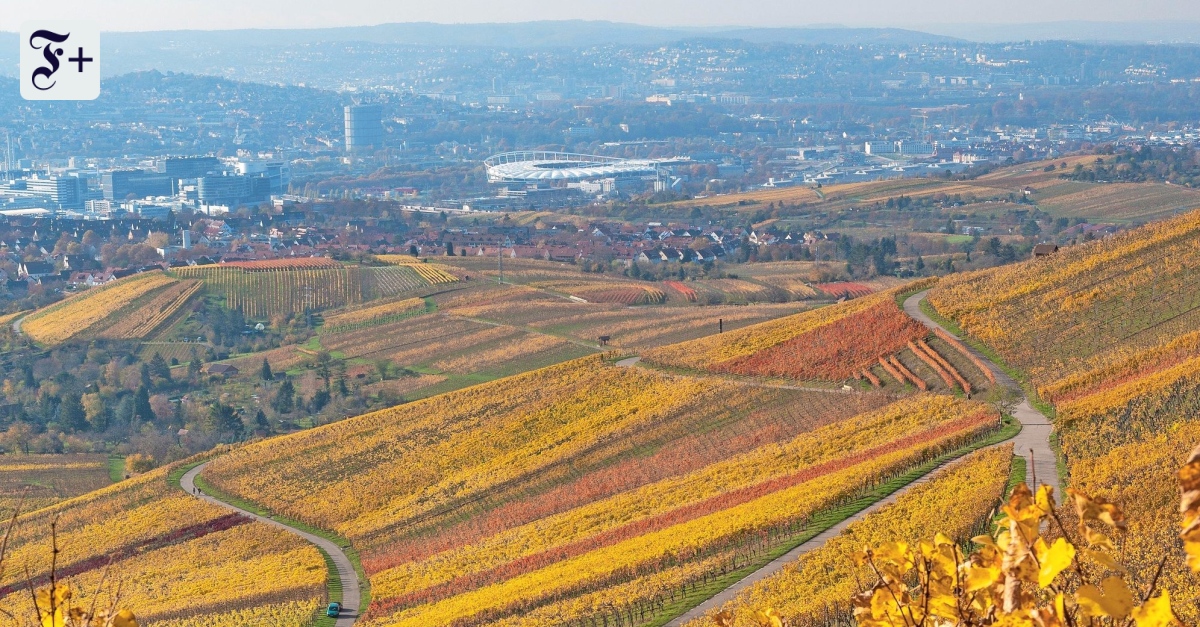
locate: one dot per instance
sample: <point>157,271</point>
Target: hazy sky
<point>124,15</point>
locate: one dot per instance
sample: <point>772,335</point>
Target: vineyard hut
<point>1044,250</point>
<point>224,370</point>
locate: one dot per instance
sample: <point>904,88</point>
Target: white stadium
<point>531,166</point>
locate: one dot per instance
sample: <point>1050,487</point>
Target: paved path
<point>1035,432</point>
<point>351,592</point>
<point>1034,439</point>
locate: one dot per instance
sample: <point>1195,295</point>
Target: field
<point>180,558</point>
<point>265,291</point>
<point>1105,332</point>
<point>638,476</point>
<point>129,308</point>
<point>43,480</point>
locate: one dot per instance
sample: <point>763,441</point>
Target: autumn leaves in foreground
<point>1041,566</point>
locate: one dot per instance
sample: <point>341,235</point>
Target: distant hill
<point>188,50</point>
<point>1163,31</point>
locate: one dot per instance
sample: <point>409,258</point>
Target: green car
<point>333,610</point>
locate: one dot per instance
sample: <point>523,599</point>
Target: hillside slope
<point>1105,331</point>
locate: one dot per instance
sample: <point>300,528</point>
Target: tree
<point>159,367</point>
<point>73,416</point>
<point>267,375</point>
<point>284,401</point>
<point>194,367</point>
<point>141,405</point>
<point>97,413</point>
<point>223,418</point>
<point>261,424</point>
<point>147,381</point>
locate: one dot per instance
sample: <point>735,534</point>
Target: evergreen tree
<point>284,401</point>
<point>73,416</point>
<point>267,375</point>
<point>194,367</point>
<point>141,405</point>
<point>224,419</point>
<point>261,423</point>
<point>159,367</point>
<point>146,380</point>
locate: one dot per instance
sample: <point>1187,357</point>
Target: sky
<point>141,15</point>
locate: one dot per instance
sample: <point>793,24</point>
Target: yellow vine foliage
<point>74,316</point>
<point>820,585</point>
<point>174,555</point>
<point>902,418</point>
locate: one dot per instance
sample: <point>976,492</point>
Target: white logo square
<point>60,60</point>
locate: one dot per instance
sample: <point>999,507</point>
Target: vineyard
<point>1087,307</point>
<point>281,289</point>
<point>1106,332</point>
<point>491,530</point>
<point>622,293</point>
<point>129,308</point>
<point>192,561</point>
<point>151,315</point>
<point>43,480</point>
<point>844,289</point>
<point>625,327</point>
<point>374,314</point>
<point>816,591</point>
<point>432,272</point>
<point>834,342</point>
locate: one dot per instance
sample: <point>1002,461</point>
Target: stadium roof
<point>540,166</point>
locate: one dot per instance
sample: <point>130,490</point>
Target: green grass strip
<point>116,468</point>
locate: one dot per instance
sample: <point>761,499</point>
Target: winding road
<point>351,591</point>
<point>1033,442</point>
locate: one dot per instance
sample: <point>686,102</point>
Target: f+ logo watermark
<point>60,60</point>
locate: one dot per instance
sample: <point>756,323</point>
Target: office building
<point>364,128</point>
<point>63,192</point>
<point>122,184</point>
<point>188,167</point>
<point>232,190</point>
<point>277,171</point>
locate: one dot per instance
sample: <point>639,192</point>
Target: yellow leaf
<point>1095,538</point>
<point>981,578</point>
<point>1104,559</point>
<point>1045,498</point>
<point>1054,560</point>
<point>768,618</point>
<point>1154,613</point>
<point>723,618</point>
<point>984,541</point>
<point>1111,599</point>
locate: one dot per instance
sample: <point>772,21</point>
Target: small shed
<point>1044,250</point>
